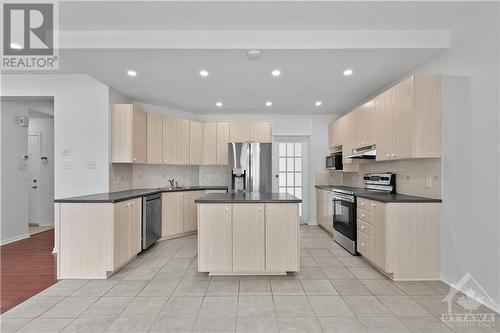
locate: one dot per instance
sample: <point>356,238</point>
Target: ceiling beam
<point>386,39</point>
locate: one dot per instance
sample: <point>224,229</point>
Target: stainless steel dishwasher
<point>151,220</point>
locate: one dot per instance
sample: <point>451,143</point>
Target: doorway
<point>290,169</point>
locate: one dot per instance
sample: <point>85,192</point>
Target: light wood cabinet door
<point>248,238</point>
<point>349,137</point>
<point>121,233</point>
<point>215,238</point>
<point>172,214</point>
<point>379,241</point>
<point>191,210</point>
<point>209,144</point>
<point>135,225</point>
<point>182,134</point>
<point>282,227</point>
<point>121,133</point>
<point>261,132</point>
<point>383,125</point>
<point>169,132</point>
<point>139,139</point>
<point>222,141</point>
<point>239,132</point>
<point>154,138</point>
<point>366,118</point>
<point>403,119</point>
<point>195,142</point>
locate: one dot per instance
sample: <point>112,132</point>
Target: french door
<point>290,168</point>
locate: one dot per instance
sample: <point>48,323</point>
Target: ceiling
<point>260,15</point>
<point>311,42</point>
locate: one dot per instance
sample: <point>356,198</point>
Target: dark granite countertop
<point>382,197</point>
<point>112,197</point>
<point>248,198</point>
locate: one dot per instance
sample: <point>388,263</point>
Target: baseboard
<point>14,239</point>
<point>489,304</point>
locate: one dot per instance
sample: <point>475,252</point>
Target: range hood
<point>364,153</point>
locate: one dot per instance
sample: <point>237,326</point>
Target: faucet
<point>171,181</point>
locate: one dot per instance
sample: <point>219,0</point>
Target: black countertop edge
<point>248,198</point>
<point>112,197</point>
<point>386,198</point>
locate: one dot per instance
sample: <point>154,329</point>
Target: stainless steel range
<point>344,206</point>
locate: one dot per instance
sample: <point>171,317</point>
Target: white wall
<point>471,200</point>
<point>81,122</point>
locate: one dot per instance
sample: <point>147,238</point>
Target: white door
<point>290,168</point>
<point>34,179</point>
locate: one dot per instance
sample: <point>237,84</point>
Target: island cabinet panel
<point>154,139</point>
<point>215,238</point>
<point>222,141</point>
<point>248,238</point>
<point>172,214</point>
<point>282,228</point>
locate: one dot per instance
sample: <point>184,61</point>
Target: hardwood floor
<point>27,267</point>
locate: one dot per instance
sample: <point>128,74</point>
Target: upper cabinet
<point>128,132</point>
<point>403,122</point>
<point>139,137</point>
<point>222,141</point>
<point>261,132</point>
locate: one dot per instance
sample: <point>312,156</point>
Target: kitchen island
<point>248,233</point>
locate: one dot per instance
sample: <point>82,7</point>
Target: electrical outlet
<point>428,181</point>
<point>66,151</point>
<point>91,165</point>
<point>66,164</point>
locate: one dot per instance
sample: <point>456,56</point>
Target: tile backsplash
<point>213,175</point>
<point>412,176</point>
<point>120,177</point>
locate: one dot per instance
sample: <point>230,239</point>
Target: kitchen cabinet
<point>215,238</point>
<point>402,119</point>
<point>324,209</point>
<point>383,130</point>
<point>169,132</point>
<point>222,141</point>
<point>127,231</point>
<point>195,142</point>
<point>154,140</point>
<point>365,121</point>
<point>239,132</point>
<point>282,224</point>
<point>183,145</point>
<point>348,137</point>
<point>128,134</point>
<point>209,148</point>
<point>390,235</point>
<point>260,132</point>
<point>179,212</point>
<point>248,225</point>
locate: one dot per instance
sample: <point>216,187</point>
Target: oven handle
<point>341,197</point>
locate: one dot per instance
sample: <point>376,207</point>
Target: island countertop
<point>248,198</point>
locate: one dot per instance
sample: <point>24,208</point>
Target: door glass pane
<point>289,179</point>
<point>298,179</point>
<point>289,164</point>
<point>290,190</point>
<point>298,192</point>
<point>282,189</point>
<point>282,148</point>
<point>298,149</point>
<point>282,166</point>
<point>298,164</point>
<point>289,149</point>
<point>282,179</point>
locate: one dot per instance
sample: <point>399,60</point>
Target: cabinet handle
<point>393,155</point>
<point>260,208</point>
<point>186,194</point>
<point>134,159</point>
<point>362,227</point>
<point>362,244</point>
<point>131,204</point>
<point>373,205</point>
<point>165,161</point>
<point>387,155</point>
<point>182,194</point>
<point>227,208</point>
<point>159,161</point>
<point>362,203</point>
<point>362,215</point>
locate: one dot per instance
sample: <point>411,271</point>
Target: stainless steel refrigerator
<point>249,166</point>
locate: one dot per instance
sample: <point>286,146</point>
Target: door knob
<point>34,187</point>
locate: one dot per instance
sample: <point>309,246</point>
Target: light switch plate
<point>66,151</point>
<point>428,181</point>
<point>91,165</point>
<point>66,164</point>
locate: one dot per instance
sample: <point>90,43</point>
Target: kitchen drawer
<point>365,228</point>
<point>366,204</point>
<point>365,216</point>
<point>364,245</point>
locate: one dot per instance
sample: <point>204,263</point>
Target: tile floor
<point>161,291</point>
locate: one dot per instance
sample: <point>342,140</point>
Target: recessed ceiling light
<point>131,73</point>
<point>204,73</point>
<point>276,72</point>
<point>318,103</point>
<point>218,104</point>
<point>348,72</point>
<point>15,46</point>
<point>269,103</point>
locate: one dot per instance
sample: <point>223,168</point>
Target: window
<point>290,169</point>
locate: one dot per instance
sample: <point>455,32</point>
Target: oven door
<point>344,215</point>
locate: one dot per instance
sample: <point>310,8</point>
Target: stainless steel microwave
<point>334,161</point>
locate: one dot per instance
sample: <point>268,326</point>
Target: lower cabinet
<point>179,212</point>
<point>127,231</point>
<point>401,239</point>
<point>324,209</point>
<point>248,238</point>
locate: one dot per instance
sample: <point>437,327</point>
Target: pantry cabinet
<point>154,138</point>
<point>179,212</point>
<point>128,133</point>
<point>209,149</point>
<point>195,142</point>
<point>222,141</point>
